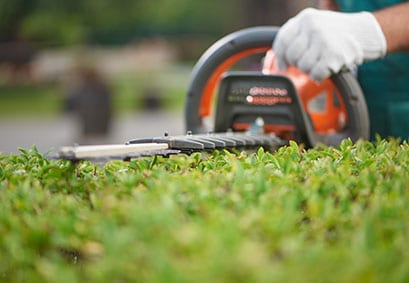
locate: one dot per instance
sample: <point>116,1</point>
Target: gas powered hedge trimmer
<point>231,106</point>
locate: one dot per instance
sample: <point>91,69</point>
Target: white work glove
<point>321,42</point>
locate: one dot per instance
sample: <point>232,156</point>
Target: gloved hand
<point>321,42</point>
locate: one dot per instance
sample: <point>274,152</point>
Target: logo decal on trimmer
<point>268,100</point>
<point>262,95</point>
<point>276,91</point>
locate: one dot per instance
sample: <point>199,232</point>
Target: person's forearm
<point>394,22</point>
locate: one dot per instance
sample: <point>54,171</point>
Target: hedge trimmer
<point>231,106</point>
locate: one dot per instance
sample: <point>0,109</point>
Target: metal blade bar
<point>96,151</point>
<point>168,145</point>
<point>173,142</point>
<point>189,143</point>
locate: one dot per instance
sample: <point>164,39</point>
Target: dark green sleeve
<point>365,5</point>
<point>384,81</point>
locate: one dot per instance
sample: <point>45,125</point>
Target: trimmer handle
<point>223,54</point>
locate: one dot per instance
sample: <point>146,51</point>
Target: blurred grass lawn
<point>47,99</point>
<point>30,100</point>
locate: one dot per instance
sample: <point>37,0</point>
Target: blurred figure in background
<point>89,97</point>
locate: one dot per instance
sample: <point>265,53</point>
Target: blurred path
<point>49,134</point>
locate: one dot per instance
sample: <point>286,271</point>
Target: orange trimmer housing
<point>331,117</point>
<point>335,108</point>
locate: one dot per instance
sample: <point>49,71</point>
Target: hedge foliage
<point>318,215</point>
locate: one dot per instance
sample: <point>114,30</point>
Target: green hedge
<point>320,215</point>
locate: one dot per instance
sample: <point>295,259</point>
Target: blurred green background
<point>42,41</point>
<point>140,51</point>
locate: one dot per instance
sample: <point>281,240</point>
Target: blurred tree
<point>111,21</point>
<point>12,14</point>
<point>73,21</point>
<point>55,22</point>
<point>166,17</point>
